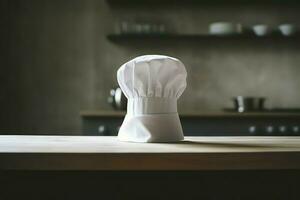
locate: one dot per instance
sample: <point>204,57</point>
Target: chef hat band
<point>152,105</point>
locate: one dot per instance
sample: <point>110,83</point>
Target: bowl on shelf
<point>287,29</point>
<point>224,28</point>
<point>261,29</point>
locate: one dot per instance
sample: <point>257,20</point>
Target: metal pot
<point>246,104</point>
<point>117,99</point>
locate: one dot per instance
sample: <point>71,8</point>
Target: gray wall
<point>57,61</point>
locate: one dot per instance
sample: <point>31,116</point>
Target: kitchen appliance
<point>248,104</point>
<point>117,99</point>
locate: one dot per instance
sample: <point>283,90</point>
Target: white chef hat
<point>152,85</point>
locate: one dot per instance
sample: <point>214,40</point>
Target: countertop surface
<point>107,153</point>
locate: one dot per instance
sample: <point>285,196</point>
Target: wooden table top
<point>107,153</point>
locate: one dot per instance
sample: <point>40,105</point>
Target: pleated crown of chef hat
<point>152,85</point>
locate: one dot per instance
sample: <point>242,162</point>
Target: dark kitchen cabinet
<point>205,124</point>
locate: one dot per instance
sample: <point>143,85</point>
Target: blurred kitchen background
<point>59,61</point>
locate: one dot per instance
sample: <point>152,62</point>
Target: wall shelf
<point>200,2</point>
<point>132,37</point>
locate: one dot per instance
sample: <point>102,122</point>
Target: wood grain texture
<point>107,153</point>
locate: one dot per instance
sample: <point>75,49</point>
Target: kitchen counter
<point>107,153</point>
<point>111,113</point>
<point>195,123</point>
